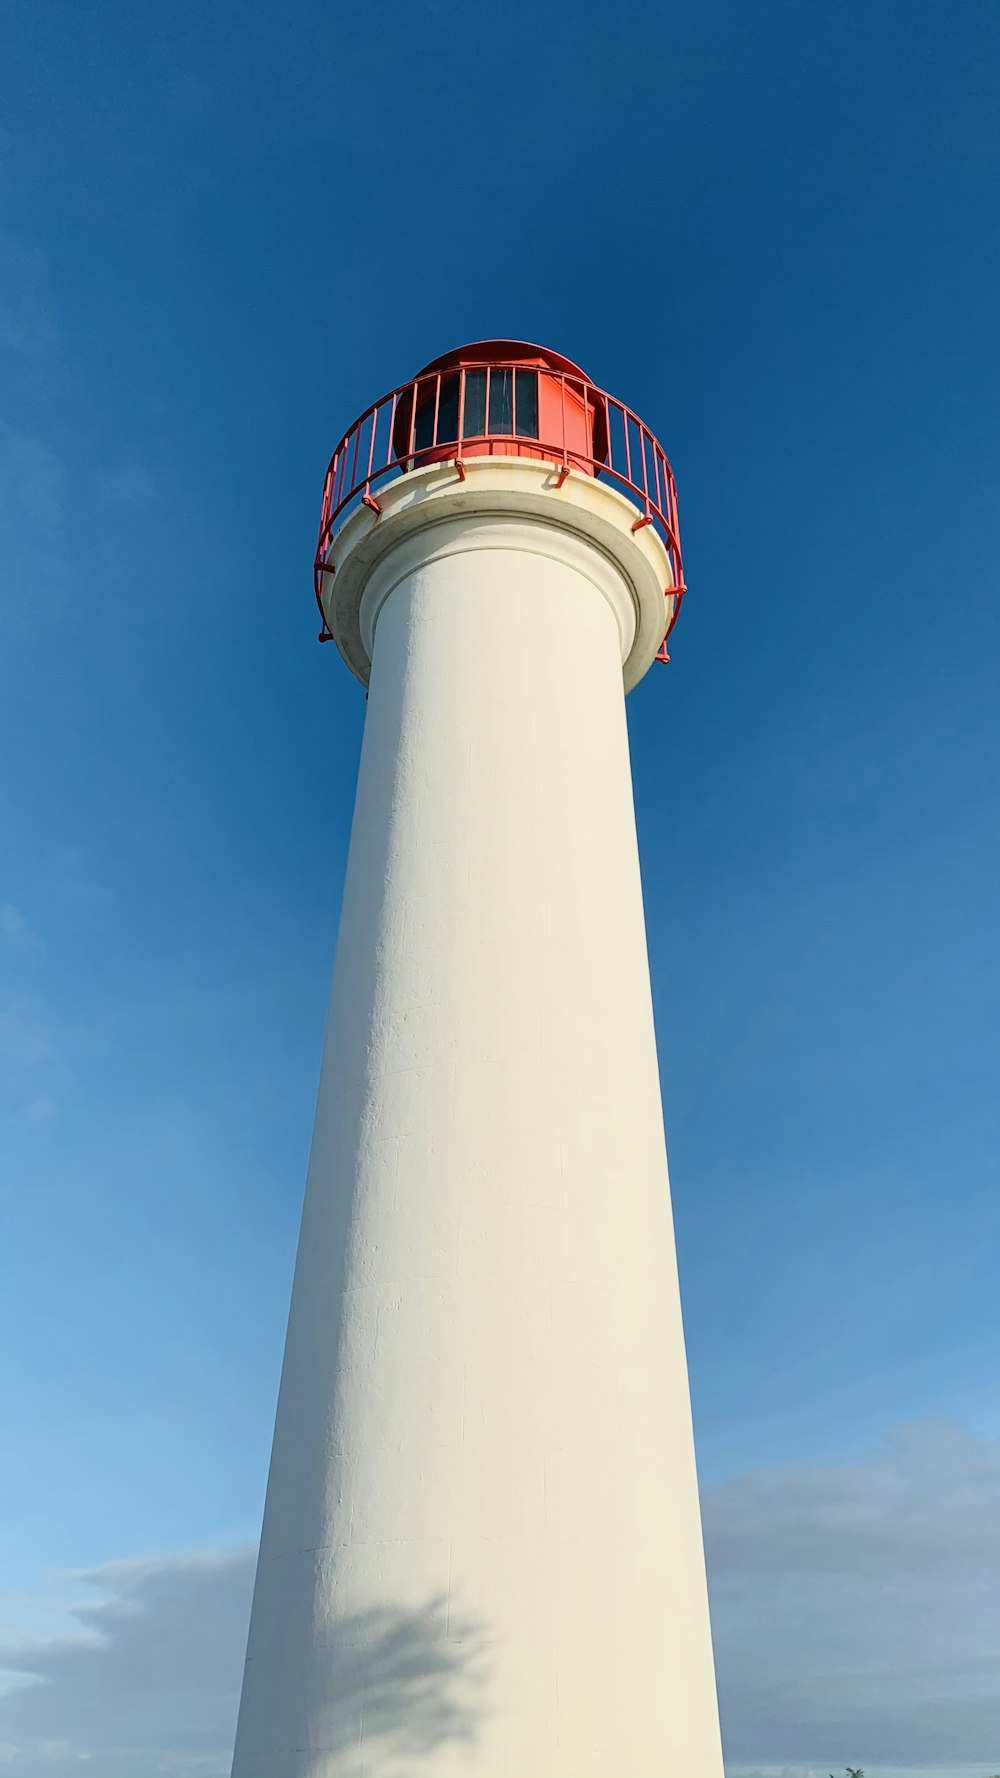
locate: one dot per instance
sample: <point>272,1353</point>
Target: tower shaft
<point>481,1554</point>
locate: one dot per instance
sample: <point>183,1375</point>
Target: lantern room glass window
<point>513,404</point>
<point>425,434</point>
<point>513,408</point>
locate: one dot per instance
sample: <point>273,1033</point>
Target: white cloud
<point>855,1612</point>
<point>148,1681</point>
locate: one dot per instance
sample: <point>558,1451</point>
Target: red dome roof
<point>508,352</point>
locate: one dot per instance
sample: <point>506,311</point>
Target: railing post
<point>413,417</point>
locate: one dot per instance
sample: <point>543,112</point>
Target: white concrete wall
<point>482,1553</point>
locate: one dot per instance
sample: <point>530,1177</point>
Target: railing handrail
<point>369,469</point>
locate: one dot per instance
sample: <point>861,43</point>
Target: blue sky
<point>772,230</point>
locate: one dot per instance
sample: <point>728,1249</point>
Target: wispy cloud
<point>128,484</point>
<point>16,931</point>
<point>24,1041</point>
<point>52,473</point>
<point>27,1062</point>
<point>26,321</point>
<point>31,523</point>
<point>41,1109</point>
<point>31,481</point>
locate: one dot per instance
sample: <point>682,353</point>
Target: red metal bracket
<point>370,500</point>
<point>460,466</point>
<point>561,477</point>
<point>646,520</point>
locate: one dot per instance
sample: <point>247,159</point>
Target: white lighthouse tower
<point>482,1554</point>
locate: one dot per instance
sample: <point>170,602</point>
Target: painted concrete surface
<point>481,1552</point>
<point>583,509</point>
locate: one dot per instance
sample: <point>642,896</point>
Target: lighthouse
<point>481,1553</point>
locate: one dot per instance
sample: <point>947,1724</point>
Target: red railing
<point>472,410</point>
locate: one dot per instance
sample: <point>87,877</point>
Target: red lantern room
<point>503,398</point>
